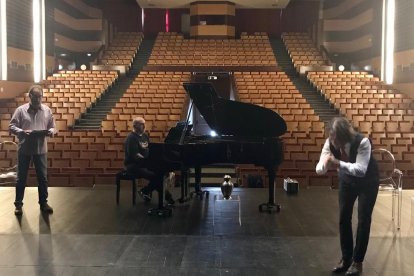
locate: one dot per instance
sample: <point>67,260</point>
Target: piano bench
<point>123,175</point>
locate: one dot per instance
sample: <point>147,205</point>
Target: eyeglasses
<point>33,96</point>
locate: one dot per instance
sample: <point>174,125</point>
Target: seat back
<point>390,175</point>
<point>390,180</point>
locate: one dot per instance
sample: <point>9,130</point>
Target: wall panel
<point>19,24</point>
<point>360,35</point>
<point>272,21</point>
<point>125,15</point>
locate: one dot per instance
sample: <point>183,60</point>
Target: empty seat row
<point>381,112</point>
<point>160,108</point>
<point>168,50</point>
<point>301,50</point>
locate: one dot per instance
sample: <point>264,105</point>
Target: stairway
<point>322,107</point>
<point>93,117</point>
<point>283,59</point>
<point>142,57</point>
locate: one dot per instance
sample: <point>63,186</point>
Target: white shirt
<point>359,168</point>
<point>25,118</point>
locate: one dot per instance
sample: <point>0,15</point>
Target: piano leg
<point>271,205</point>
<point>198,192</point>
<point>184,186</point>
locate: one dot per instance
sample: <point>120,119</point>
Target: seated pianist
<point>138,164</point>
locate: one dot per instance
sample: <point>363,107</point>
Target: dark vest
<point>372,173</point>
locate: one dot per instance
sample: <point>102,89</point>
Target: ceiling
<point>247,4</point>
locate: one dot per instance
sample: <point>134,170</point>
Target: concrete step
<point>89,121</point>
<point>91,118</point>
<point>78,127</point>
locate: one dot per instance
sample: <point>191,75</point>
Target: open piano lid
<point>228,117</point>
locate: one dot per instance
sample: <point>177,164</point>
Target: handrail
<point>98,54</point>
<point>326,55</point>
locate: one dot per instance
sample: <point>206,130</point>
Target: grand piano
<point>246,134</point>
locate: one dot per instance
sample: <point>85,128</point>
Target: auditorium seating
<point>87,157</point>
<point>376,109</point>
<point>84,158</point>
<point>70,93</point>
<point>305,136</point>
<point>172,49</point>
<point>302,50</point>
<point>67,93</point>
<point>158,96</point>
<point>122,49</point>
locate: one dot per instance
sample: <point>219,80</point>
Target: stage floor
<point>88,234</point>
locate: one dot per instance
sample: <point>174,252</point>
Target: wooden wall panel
<point>154,21</point>
<point>206,9</point>
<point>362,39</point>
<point>88,10</point>
<point>404,25</point>
<point>299,16</point>
<point>50,27</point>
<point>212,30</point>
<point>12,89</point>
<point>258,20</point>
<point>295,17</point>
<point>125,15</point>
<point>175,19</point>
<point>78,24</point>
<point>19,24</point>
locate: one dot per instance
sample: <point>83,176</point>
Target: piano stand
<point>197,186</point>
<point>269,207</point>
<point>184,186</point>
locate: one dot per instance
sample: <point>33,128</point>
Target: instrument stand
<point>197,185</point>
<point>184,186</point>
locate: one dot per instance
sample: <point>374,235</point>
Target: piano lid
<point>228,117</point>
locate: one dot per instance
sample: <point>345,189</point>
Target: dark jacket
<point>134,144</point>
<point>371,176</point>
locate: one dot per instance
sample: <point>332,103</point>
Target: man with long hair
<point>350,153</point>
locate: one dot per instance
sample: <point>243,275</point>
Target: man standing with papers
<point>32,123</point>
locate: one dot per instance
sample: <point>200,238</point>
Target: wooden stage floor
<point>88,234</point>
